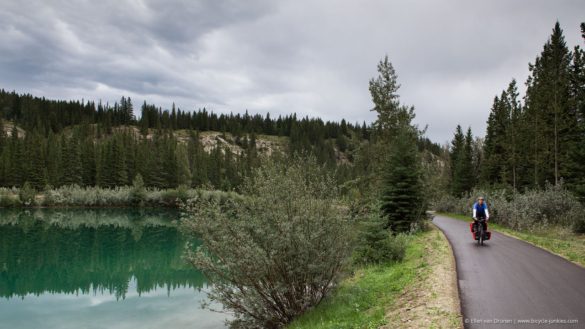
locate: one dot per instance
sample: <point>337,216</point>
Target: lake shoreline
<point>76,197</point>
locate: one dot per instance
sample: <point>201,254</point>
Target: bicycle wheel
<point>480,238</point>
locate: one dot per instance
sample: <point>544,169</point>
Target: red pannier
<point>488,234</point>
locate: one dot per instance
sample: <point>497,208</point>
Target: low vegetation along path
<point>507,282</point>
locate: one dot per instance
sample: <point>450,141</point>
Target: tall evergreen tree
<point>465,169</point>
<point>126,111</point>
<point>183,170</point>
<point>171,165</point>
<point>119,171</point>
<point>457,145</point>
<point>36,171</point>
<point>197,160</point>
<point>72,167</point>
<point>14,170</point>
<point>2,134</point>
<point>402,199</point>
<point>576,179</point>
<point>547,107</point>
<point>392,116</point>
<point>4,160</point>
<point>54,160</point>
<point>514,135</point>
<point>463,172</point>
<point>88,162</point>
<point>495,167</point>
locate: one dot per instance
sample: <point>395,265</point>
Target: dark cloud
<point>310,57</point>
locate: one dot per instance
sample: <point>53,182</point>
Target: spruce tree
<point>375,244</point>
<point>402,199</point>
<point>54,160</point>
<point>118,160</point>
<point>170,163</point>
<point>88,162</point>
<point>465,169</point>
<point>392,116</point>
<point>183,170</point>
<point>129,143</point>
<point>126,111</point>
<point>104,172</point>
<point>554,124</point>
<point>144,120</point>
<point>495,165</point>
<point>36,172</point>
<point>4,166</point>
<point>457,145</point>
<point>576,179</point>
<point>196,156</point>
<point>514,135</point>
<point>154,171</point>
<point>14,172</point>
<point>3,154</point>
<point>2,134</point>
<point>72,167</point>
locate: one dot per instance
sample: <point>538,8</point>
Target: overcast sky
<point>310,57</point>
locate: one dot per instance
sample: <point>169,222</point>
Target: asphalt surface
<point>507,281</point>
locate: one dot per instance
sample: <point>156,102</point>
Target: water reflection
<point>84,264</point>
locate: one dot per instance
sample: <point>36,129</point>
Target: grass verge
<point>558,240</point>
<point>383,295</point>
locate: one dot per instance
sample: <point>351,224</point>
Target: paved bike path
<point>507,281</point>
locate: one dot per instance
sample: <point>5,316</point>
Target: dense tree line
<point>78,142</point>
<point>89,155</point>
<point>532,142</point>
<point>57,143</point>
<point>79,158</point>
<point>44,116</point>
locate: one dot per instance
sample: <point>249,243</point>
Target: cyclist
<point>480,211</point>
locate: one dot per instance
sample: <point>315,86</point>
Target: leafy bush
<point>579,225</point>
<point>27,194</point>
<point>531,210</point>
<point>276,252</point>
<point>447,203</point>
<point>8,199</point>
<point>76,196</point>
<point>138,192</point>
<point>123,196</point>
<point>174,197</point>
<point>375,244</point>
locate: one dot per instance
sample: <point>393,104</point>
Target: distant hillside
<point>265,144</point>
<point>89,144</point>
<point>94,155</point>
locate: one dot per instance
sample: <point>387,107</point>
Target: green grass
<point>558,240</point>
<point>362,300</point>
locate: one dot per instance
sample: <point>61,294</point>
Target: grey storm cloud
<point>310,57</point>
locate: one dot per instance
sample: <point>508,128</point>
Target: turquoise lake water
<point>106,268</point>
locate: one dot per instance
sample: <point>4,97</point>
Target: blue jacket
<point>480,211</point>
